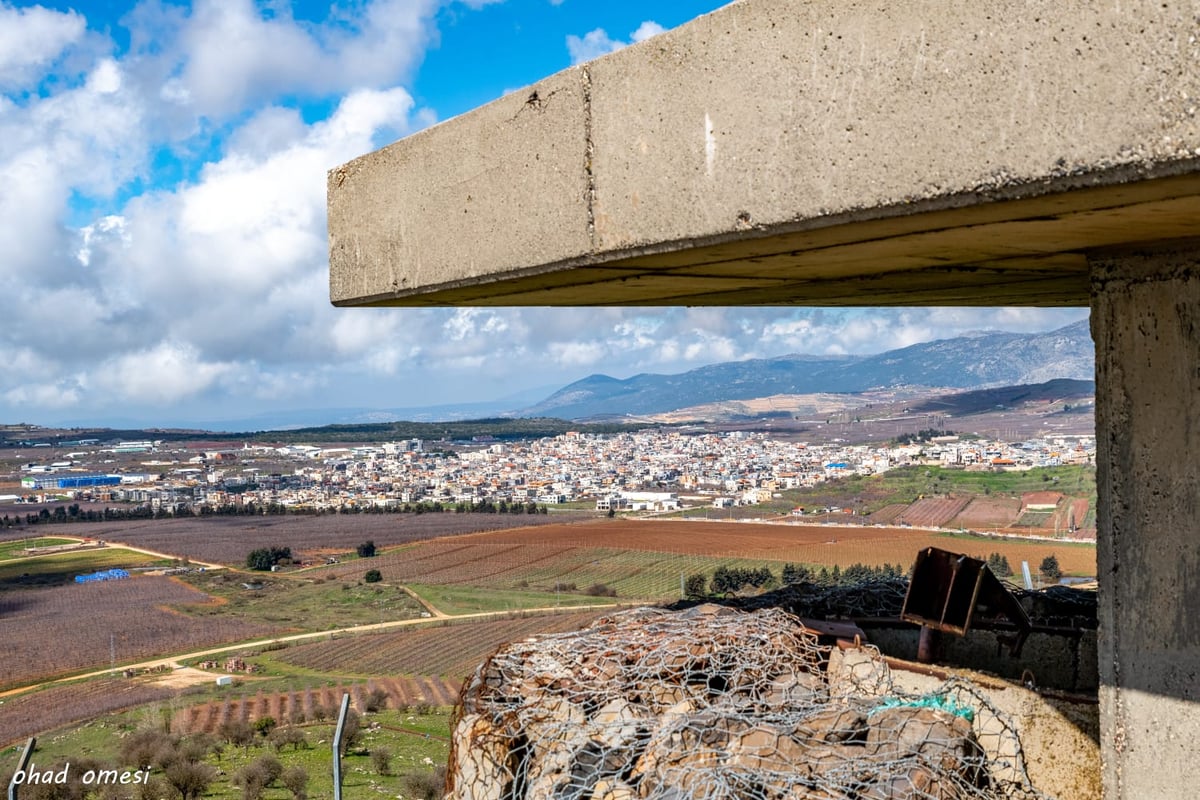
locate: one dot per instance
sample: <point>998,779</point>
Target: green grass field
<point>61,568</point>
<point>455,600</point>
<point>417,741</point>
<point>906,484</point>
<point>16,548</point>
<point>298,604</point>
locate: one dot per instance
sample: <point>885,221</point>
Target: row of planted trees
<point>730,580</point>
<point>74,513</point>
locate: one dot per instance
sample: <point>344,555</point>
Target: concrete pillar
<point>1146,324</point>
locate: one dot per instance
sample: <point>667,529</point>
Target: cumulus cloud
<point>596,43</point>
<point>217,281</point>
<point>158,375</point>
<point>32,39</point>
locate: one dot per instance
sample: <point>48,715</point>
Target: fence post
<point>337,747</point>
<point>21,767</point>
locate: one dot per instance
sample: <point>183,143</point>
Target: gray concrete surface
<point>821,153</point>
<point>853,153</point>
<point>1146,323</point>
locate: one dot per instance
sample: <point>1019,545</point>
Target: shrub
<point>377,700</point>
<point>295,780</point>
<point>281,737</point>
<point>351,731</point>
<point>600,590</point>
<point>381,759</point>
<point>236,732</point>
<point>426,785</point>
<point>372,576</point>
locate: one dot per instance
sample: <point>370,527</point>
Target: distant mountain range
<point>972,361</point>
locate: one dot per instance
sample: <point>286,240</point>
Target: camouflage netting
<point>718,704</point>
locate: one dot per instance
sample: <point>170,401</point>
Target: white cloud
<point>165,373</point>
<point>578,354</point>
<point>646,30</point>
<point>226,54</point>
<point>31,39</point>
<point>44,395</point>
<point>596,43</point>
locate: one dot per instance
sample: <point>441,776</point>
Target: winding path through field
<point>437,616</point>
<point>99,544</point>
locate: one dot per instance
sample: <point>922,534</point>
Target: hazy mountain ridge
<point>976,360</point>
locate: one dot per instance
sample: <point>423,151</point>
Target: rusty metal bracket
<point>951,592</point>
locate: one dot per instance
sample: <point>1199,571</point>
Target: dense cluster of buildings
<point>651,471</point>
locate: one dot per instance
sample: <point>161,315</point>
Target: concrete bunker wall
<point>1019,152</point>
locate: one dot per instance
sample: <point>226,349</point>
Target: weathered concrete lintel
<point>788,150</point>
<point>955,250</point>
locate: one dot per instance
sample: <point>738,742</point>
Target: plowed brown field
<point>812,544</point>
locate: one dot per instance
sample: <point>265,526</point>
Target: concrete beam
<point>1146,323</point>
<point>820,153</point>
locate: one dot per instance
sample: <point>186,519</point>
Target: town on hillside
<point>661,470</point>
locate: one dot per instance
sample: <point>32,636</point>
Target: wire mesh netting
<point>713,703</point>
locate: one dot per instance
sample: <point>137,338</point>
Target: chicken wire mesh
<point>717,704</point>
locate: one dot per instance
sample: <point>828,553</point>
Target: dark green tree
<point>795,573</point>
<point>264,558</point>
<point>695,587</point>
<point>1050,569</point>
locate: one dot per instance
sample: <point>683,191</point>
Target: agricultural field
<point>61,568</point>
<point>71,628</point>
<point>450,651</point>
<point>288,603</point>
<point>985,512</point>
<point>16,548</point>
<point>312,704</point>
<point>909,485</point>
<point>25,715</point>
<point>932,512</point>
<point>646,559</point>
<point>227,540</point>
<point>808,544</point>
<point>456,563</point>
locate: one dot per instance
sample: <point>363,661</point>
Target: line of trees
<point>1049,568</point>
<point>730,580</point>
<point>73,512</point>
<point>999,566</point>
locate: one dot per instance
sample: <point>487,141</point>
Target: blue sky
<point>162,229</point>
